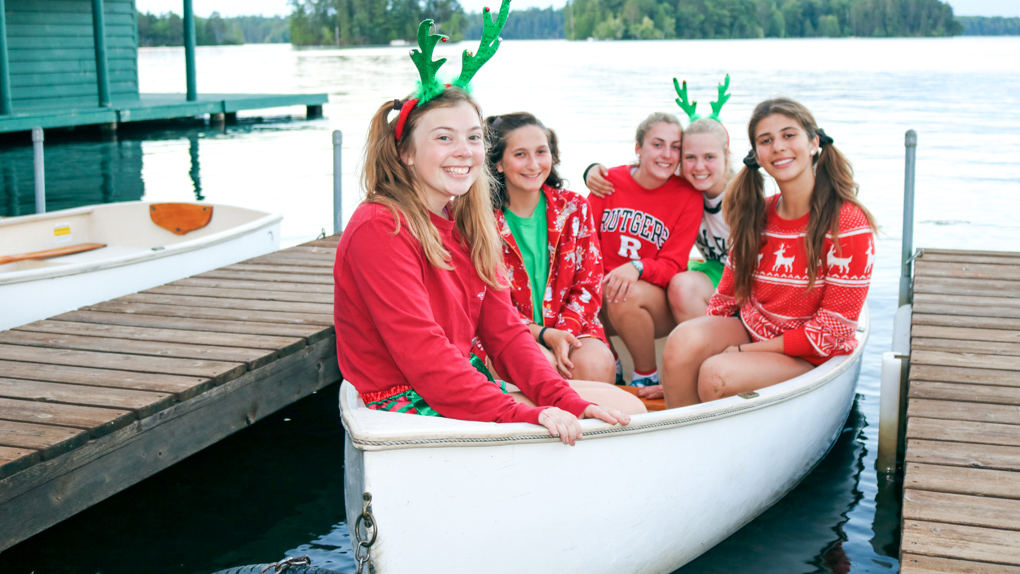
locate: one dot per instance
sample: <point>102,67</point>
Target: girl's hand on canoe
<point>605,414</point>
<point>560,343</point>
<point>617,284</point>
<point>651,392</point>
<point>597,182</point>
<point>561,424</point>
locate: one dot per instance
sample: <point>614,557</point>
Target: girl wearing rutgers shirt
<point>419,274</point>
<point>549,247</point>
<point>798,271</point>
<point>646,231</point>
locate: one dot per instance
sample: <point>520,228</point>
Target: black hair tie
<point>397,104</point>
<point>496,123</point>
<point>823,138</point>
<point>751,161</point>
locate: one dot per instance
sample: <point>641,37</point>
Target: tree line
<point>168,30</point>
<point>989,26</point>
<point>720,19</point>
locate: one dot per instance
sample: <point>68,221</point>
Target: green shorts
<point>713,269</point>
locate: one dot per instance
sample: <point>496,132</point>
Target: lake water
<point>274,490</point>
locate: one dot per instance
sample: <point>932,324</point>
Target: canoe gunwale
<point>9,278</point>
<point>468,433</point>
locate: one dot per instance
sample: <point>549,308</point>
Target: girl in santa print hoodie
<point>419,274</point>
<point>797,274</point>
<point>549,247</point>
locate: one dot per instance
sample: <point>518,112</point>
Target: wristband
<point>739,350</point>
<point>584,174</point>
<point>541,337</point>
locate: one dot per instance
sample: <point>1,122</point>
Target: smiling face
<point>784,149</point>
<point>448,152</point>
<point>704,163</point>
<point>527,160</point>
<point>659,153</point>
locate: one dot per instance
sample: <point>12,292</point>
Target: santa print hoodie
<point>815,324</point>
<point>657,226</point>
<point>401,322</point>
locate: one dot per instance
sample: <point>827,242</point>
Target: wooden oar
<point>70,249</point>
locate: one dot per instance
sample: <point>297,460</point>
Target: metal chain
<point>364,542</point>
<point>284,564</point>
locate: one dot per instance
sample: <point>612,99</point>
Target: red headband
<point>405,110</point>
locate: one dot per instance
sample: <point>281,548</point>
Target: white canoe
<point>138,254</point>
<point>457,496</point>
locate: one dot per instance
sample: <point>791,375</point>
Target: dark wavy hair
<point>499,128</point>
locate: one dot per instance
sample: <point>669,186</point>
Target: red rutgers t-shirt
<point>657,226</point>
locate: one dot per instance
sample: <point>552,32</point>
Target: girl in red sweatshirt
<point>797,274</point>
<point>419,274</point>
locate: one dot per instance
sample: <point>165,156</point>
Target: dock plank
<point>284,344</point>
<point>963,454</point>
<point>260,294</point>
<point>310,333</point>
<point>142,403</point>
<point>961,308</point>
<point>238,315</point>
<point>254,358</point>
<point>96,421</point>
<point>964,334</point>
<point>966,270</point>
<point>182,387</point>
<point>13,460</point>
<point>925,299</point>
<point>218,371</point>
<point>938,373</point>
<point>961,509</point>
<point>917,564</point>
<point>978,412</point>
<point>325,309</point>
<point>970,257</point>
<point>974,287</point>
<point>971,481</point>
<point>924,318</point>
<point>963,431</point>
<point>258,285</point>
<point>49,441</point>
<point>965,393</point>
<point>258,275</point>
<point>971,360</point>
<point>280,269</point>
<point>288,260</point>
<point>965,542</point>
<point>963,346</point>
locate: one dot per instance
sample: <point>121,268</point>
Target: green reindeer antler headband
<point>430,87</point>
<point>689,107</point>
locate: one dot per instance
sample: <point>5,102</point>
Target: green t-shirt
<point>532,237</point>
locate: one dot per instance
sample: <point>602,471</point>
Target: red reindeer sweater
<point>815,324</point>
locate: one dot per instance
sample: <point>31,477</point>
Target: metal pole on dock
<point>338,193</point>
<point>189,50</point>
<point>5,66</point>
<point>40,171</point>
<point>906,269</point>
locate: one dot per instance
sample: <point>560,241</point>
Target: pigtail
<point>744,211</point>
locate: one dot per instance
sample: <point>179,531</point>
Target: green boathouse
<point>75,62</point>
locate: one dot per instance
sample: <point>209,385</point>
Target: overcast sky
<point>279,7</point>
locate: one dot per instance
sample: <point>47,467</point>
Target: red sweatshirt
<point>402,322</point>
<point>815,324</point>
<point>657,226</point>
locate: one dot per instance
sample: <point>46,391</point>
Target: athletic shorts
<point>713,269</point>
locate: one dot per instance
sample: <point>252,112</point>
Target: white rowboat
<point>122,250</point>
<point>458,496</point>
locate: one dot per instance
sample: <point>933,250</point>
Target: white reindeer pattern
<point>782,260</point>
<point>871,256</point>
<point>842,262</point>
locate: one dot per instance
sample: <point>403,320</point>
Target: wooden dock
<point>961,497</point>
<point>95,400</point>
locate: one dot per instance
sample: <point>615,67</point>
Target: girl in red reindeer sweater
<point>798,271</point>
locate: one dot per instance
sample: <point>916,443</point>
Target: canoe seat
<point>47,253</point>
<point>180,218</point>
<point>650,404</point>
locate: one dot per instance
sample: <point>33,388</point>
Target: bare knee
<point>712,380</point>
<point>688,342</point>
<point>594,361</point>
